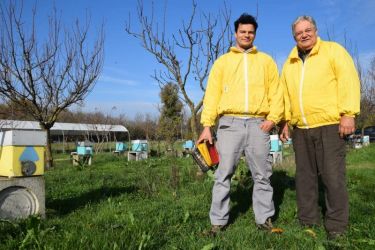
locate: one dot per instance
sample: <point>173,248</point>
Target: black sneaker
<point>266,226</point>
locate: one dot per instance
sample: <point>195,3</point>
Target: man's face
<point>305,35</point>
<point>245,36</point>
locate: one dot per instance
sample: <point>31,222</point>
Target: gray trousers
<point>237,136</point>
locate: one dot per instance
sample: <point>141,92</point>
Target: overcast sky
<point>126,83</point>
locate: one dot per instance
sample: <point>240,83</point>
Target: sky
<point>126,87</point>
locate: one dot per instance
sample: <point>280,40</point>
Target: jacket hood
<point>237,50</point>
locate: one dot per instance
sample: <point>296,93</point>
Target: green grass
<point>161,203</point>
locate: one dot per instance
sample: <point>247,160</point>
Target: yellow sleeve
<point>348,82</point>
<point>287,115</point>
<point>212,95</point>
<point>275,93</point>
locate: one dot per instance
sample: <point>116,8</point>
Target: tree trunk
<point>193,125</point>
<point>49,158</point>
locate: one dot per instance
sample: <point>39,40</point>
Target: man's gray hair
<point>303,18</point>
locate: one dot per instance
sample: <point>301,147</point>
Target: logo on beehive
<point>28,158</point>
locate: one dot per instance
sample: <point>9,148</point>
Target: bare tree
<point>367,81</point>
<point>186,55</point>
<point>44,77</point>
<point>150,126</point>
<point>143,126</point>
<point>97,122</point>
<point>367,115</point>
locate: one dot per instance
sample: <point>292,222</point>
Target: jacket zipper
<point>246,83</point>
<point>300,93</point>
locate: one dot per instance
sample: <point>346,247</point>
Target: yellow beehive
<point>22,153</point>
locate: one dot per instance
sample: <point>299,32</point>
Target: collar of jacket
<point>294,54</point>
<point>237,50</point>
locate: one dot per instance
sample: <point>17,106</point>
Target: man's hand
<point>284,132</point>
<point>267,125</point>
<point>346,126</point>
<point>205,136</point>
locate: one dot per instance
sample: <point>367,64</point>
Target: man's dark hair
<point>245,19</point>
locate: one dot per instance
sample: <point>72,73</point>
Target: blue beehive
<point>84,150</point>
<point>121,147</point>
<point>366,139</point>
<point>188,145</point>
<point>275,143</point>
<point>139,145</point>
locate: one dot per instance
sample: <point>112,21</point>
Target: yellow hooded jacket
<point>321,89</point>
<point>243,84</point>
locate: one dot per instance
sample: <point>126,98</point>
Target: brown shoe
<point>335,235</point>
<point>214,230</point>
<point>266,226</point>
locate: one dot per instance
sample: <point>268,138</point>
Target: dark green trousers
<point>320,154</point>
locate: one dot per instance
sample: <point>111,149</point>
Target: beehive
<point>22,152</point>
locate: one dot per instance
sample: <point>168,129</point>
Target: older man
<point>322,95</point>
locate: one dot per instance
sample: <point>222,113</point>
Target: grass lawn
<point>161,203</point>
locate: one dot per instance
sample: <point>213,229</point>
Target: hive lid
<point>23,138</point>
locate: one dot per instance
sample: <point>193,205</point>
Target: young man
<point>243,92</point>
<point>322,96</point>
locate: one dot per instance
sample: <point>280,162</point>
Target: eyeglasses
<point>307,31</point>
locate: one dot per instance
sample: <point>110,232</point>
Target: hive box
<point>188,145</point>
<point>139,145</point>
<point>22,152</point>
<point>84,150</point>
<point>275,143</point>
<point>366,140</point>
<point>120,146</point>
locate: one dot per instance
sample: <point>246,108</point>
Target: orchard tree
<point>170,114</point>
<point>44,76</point>
<point>367,115</point>
<point>367,84</point>
<point>186,55</point>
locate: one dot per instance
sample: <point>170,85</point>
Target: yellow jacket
<point>320,90</point>
<point>243,84</point>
